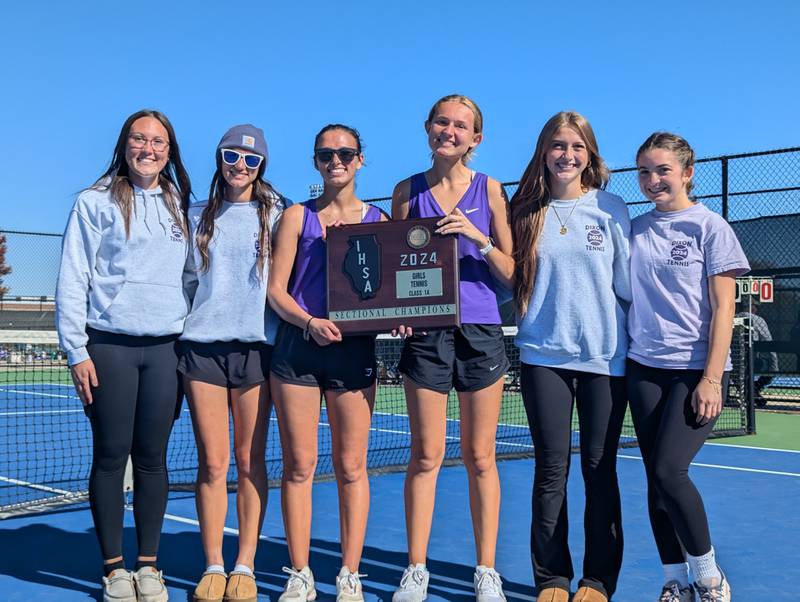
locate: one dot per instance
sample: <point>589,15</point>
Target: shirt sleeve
<point>722,251</point>
<point>78,255</point>
<point>621,236</point>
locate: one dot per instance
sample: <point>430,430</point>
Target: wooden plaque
<point>384,274</point>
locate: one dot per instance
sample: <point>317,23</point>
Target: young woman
<point>225,353</point>
<point>120,307</point>
<point>470,358</point>
<point>572,289</point>
<point>311,358</point>
<point>684,260</point>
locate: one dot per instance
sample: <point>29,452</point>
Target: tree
<point>4,269</point>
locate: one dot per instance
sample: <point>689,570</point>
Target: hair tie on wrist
<point>305,330</point>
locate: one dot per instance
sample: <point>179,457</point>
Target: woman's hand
<point>458,223</point>
<point>707,401</point>
<point>403,331</point>
<point>324,332</point>
<point>84,377</point>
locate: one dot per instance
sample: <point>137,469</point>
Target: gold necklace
<point>563,229</point>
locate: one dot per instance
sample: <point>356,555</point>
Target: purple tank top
<point>476,290</point>
<point>307,283</point>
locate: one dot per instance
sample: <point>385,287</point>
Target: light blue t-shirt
<point>230,300</point>
<point>576,314</point>
<point>673,253</point>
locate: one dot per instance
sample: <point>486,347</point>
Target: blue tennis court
<point>751,495</point>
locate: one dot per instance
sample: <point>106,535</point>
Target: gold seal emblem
<point>418,237</point>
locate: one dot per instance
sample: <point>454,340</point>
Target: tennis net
<point>46,446</point>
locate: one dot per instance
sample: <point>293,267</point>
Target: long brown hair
<point>263,193</point>
<point>173,179</point>
<point>532,198</point>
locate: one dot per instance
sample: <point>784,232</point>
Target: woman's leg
<point>679,439</point>
<point>209,407</point>
<point>548,394</point>
<point>427,414</point>
<point>601,402</point>
<point>648,390</point>
<point>480,411</point>
<point>297,408</point>
<point>350,414</point>
<point>112,418</point>
<point>155,415</point>
<point>251,408</point>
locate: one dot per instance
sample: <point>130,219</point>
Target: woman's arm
<point>707,397</point>
<point>284,253</point>
<point>400,196</point>
<point>500,261</point>
<point>79,248</point>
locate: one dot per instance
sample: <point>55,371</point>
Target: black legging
<point>548,394</point>
<point>669,438</point>
<point>132,414</point>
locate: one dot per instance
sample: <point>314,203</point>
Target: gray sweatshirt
<point>123,285</point>
<point>230,300</point>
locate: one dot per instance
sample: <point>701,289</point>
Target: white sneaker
<point>673,592</point>
<point>150,585</point>
<point>118,587</point>
<point>716,592</point>
<point>348,586</point>
<point>299,586</point>
<point>488,585</point>
<point>413,584</point>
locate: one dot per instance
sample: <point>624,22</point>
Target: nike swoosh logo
<point>472,210</point>
<point>495,367</point>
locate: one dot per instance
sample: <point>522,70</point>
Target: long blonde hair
<point>530,201</point>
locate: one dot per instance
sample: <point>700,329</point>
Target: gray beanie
<point>246,136</point>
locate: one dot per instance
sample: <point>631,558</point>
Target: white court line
<point>38,394</point>
<point>39,412</point>
<point>364,561</point>
<point>39,487</point>
<point>723,467</point>
<point>775,449</point>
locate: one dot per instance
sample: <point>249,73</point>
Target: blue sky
<point>723,74</point>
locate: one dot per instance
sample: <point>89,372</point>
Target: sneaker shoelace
<point>412,578</point>
<point>490,583</point>
<point>352,581</point>
<point>297,580</point>
<point>714,593</point>
<point>670,593</point>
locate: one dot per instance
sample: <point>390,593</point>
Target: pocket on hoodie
<point>147,308</point>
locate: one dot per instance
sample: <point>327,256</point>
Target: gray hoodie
<point>117,284</point>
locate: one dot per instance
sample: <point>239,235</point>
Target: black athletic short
<point>229,364</point>
<point>346,366</point>
<point>468,358</point>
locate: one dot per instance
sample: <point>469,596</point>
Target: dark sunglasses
<point>231,157</point>
<point>346,155</point>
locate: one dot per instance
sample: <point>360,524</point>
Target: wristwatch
<point>484,251</point>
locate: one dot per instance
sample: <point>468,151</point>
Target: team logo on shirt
<point>175,231</point>
<point>679,253</point>
<point>594,237</point>
<point>362,264</point>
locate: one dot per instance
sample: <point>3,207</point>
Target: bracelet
<point>714,383</point>
<point>305,330</point>
<point>484,251</point>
